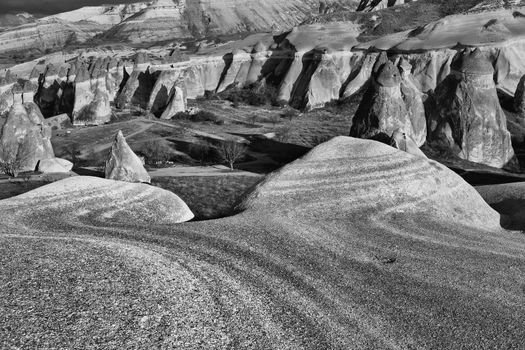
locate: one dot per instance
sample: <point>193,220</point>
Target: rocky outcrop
<point>467,116</point>
<point>6,93</point>
<point>123,164</point>
<point>105,15</point>
<point>383,109</point>
<point>92,98</point>
<point>54,165</point>
<point>161,94</point>
<point>25,140</point>
<point>168,20</point>
<point>139,86</point>
<point>413,98</point>
<point>177,102</point>
<point>51,33</point>
<point>378,181</point>
<point>107,201</point>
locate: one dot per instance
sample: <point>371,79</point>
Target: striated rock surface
<point>357,245</point>
<point>105,15</point>
<point>123,164</point>
<point>25,140</point>
<point>372,183</point>
<point>383,109</point>
<point>168,20</point>
<point>109,201</point>
<point>467,116</point>
<point>52,34</point>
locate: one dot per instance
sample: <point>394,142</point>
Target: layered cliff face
<point>108,15</point>
<point>48,34</point>
<point>179,19</point>
<point>466,114</point>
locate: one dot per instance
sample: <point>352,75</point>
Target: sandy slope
<point>324,257</point>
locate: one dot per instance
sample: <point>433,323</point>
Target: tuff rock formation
<point>139,85</point>
<point>383,109</point>
<point>467,117</point>
<point>378,181</point>
<point>123,164</point>
<point>177,102</point>
<point>108,201</point>
<point>413,98</point>
<point>92,98</point>
<point>55,165</point>
<point>161,94</point>
<point>25,139</point>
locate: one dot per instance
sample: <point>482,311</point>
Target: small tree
<point>231,151</point>
<point>12,159</point>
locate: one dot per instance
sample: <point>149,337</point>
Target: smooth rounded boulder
<point>55,165</point>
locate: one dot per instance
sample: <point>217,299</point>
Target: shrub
<point>283,133</point>
<point>155,151</point>
<point>200,116</point>
<point>202,152</point>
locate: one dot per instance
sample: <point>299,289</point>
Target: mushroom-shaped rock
<point>55,165</point>
<point>123,164</point>
<point>382,109</point>
<point>467,116</point>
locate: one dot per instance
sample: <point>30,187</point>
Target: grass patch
<point>15,188</point>
<point>209,197</point>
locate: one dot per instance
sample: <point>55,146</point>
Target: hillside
<point>326,274</point>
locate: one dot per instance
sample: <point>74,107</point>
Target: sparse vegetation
<point>154,152</point>
<point>231,151</point>
<point>203,152</point>
<point>200,116</point>
<point>256,94</point>
<point>283,133</point>
<point>209,197</point>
